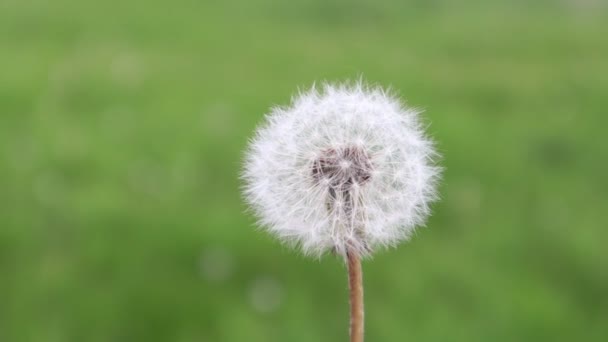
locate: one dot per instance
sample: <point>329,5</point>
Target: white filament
<point>307,211</point>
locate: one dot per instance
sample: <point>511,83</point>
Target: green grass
<point>122,126</point>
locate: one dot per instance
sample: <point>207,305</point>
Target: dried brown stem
<point>355,285</point>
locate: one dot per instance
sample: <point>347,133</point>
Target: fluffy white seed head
<point>344,168</point>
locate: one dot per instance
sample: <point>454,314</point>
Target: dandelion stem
<point>355,285</point>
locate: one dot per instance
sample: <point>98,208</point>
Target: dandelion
<point>344,169</point>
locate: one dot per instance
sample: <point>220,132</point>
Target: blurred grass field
<point>122,126</point>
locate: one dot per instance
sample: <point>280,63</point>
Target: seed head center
<point>341,168</point>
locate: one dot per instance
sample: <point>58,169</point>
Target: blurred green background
<point>122,128</point>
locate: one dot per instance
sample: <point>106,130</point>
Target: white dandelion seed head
<point>343,168</point>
